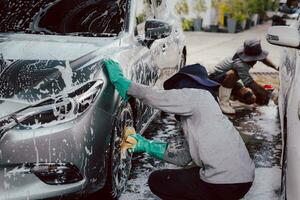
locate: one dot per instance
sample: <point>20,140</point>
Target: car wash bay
<point>259,126</point>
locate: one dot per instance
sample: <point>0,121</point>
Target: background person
<point>234,76</point>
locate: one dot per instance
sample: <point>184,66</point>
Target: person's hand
<point>114,70</point>
<point>117,78</point>
<point>139,144</point>
<point>262,95</point>
<point>127,142</point>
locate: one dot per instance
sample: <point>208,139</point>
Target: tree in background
<point>182,8</point>
<point>199,7</point>
<point>215,5</point>
<point>237,11</point>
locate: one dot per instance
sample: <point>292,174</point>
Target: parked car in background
<point>61,120</point>
<point>288,12</point>
<point>289,105</point>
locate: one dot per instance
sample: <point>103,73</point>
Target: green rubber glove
<point>117,78</point>
<point>155,149</point>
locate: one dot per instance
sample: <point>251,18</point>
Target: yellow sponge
<point>127,142</point>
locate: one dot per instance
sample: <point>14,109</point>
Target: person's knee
<point>230,79</point>
<point>154,181</point>
<point>250,100</point>
<point>245,95</point>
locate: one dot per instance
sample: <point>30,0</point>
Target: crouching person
<point>235,79</point>
<point>224,169</point>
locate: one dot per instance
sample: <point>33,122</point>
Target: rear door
<point>169,45</point>
<point>168,53</point>
<point>290,105</point>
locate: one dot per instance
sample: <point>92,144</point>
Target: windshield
<point>63,17</point>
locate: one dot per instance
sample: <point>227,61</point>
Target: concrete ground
<point>258,126</point>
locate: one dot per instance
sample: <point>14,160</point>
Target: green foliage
<point>252,7</point>
<point>237,9</point>
<point>140,18</point>
<point>182,7</point>
<point>216,3</point>
<point>199,6</point>
<point>187,25</point>
<point>260,6</point>
<point>276,5</point>
<point>240,9</point>
<point>271,5</point>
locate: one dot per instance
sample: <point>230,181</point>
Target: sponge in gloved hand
<point>155,149</point>
<point>127,142</point>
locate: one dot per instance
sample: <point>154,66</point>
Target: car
<point>61,120</point>
<point>289,105</point>
<point>288,12</point>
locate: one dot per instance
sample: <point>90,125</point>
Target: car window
<point>144,12</point>
<point>63,17</point>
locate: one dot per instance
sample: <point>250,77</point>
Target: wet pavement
<point>258,126</point>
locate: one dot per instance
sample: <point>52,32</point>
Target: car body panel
<point>20,185</point>
<point>289,99</point>
<point>48,47</point>
<point>292,127</point>
<point>82,139</point>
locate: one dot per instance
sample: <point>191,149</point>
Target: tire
<point>118,169</point>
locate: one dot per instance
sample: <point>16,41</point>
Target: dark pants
<point>185,184</point>
<point>230,80</point>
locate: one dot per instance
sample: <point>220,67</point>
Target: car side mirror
<point>157,29</point>
<point>285,36</point>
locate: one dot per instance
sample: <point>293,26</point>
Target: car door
<point>144,68</point>
<point>168,56</point>
<point>290,118</point>
<point>293,126</point>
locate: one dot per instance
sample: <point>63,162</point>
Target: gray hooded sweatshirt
<point>213,142</point>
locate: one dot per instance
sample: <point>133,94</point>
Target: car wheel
<point>119,168</point>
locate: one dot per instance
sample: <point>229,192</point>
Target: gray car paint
<point>85,140</point>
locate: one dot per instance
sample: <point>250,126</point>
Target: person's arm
<point>262,95</point>
<point>243,71</point>
<point>269,63</point>
<point>174,153</point>
<point>178,154</point>
<point>170,101</point>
